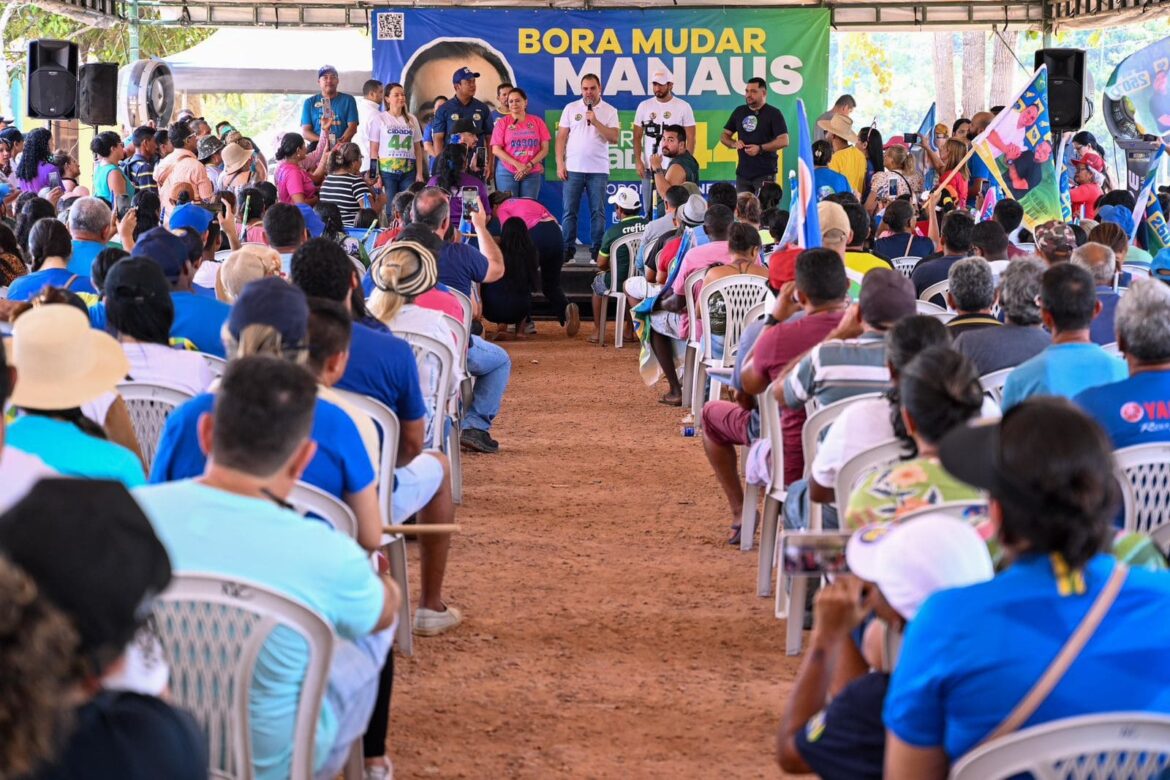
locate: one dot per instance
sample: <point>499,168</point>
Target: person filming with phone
<point>451,175</point>
<point>586,129</point>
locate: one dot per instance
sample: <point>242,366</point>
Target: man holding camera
<point>757,131</point>
<point>682,168</point>
<point>650,120</point>
<point>586,129</point>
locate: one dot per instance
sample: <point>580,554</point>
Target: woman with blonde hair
<point>951,156</point>
<point>899,178</point>
<point>247,264</point>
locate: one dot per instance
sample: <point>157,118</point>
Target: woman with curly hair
<point>36,163</point>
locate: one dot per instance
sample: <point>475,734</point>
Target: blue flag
<point>805,197</point>
<point>1157,231</point>
<point>926,129</point>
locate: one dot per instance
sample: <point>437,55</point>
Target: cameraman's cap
<point>463,74</point>
<point>191,215</point>
<point>626,198</point>
<point>326,69</point>
<point>661,76</point>
<point>911,560</point>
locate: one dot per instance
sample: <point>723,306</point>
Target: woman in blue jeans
<point>396,145</point>
<point>520,144</point>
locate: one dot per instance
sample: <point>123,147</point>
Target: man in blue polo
<point>464,106</point>
<point>342,107</point>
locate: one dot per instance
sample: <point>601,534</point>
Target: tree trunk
<point>974,72</point>
<point>1004,67</point>
<point>944,76</point>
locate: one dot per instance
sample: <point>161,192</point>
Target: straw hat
<point>405,267</point>
<point>62,362</point>
<point>235,158</point>
<point>840,125</point>
<point>247,264</point>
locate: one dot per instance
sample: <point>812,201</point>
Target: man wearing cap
<point>629,220</point>
<point>586,129</point>
<point>74,614</point>
<point>181,166</point>
<point>463,105</point>
<point>1068,304</point>
<point>757,131</point>
<point>140,167</point>
<point>198,319</point>
<point>1055,242</point>
<point>329,102</point>
<point>261,434</point>
<point>894,570</point>
<point>208,151</point>
<point>852,359</point>
<point>818,293</point>
<point>650,120</point>
<point>847,159</point>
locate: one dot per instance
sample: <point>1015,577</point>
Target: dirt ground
<point>609,629</point>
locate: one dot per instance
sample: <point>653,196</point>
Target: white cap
<point>661,76</point>
<point>626,198</point>
<point>909,561</point>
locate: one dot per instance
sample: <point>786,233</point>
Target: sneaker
<point>530,328</point>
<point>479,441</point>
<point>570,253</point>
<point>572,320</point>
<point>428,622</point>
<point>383,771</point>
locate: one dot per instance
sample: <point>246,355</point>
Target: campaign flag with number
<point>1017,149</point>
<point>1143,81</point>
<point>1148,205</point>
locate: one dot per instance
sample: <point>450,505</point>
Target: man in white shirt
<point>652,116</point>
<point>368,107</point>
<point>587,128</point>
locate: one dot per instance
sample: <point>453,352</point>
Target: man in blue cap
<point>464,106</point>
<point>340,106</point>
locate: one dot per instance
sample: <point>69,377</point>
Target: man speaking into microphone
<point>587,128</point>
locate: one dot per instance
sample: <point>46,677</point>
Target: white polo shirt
<point>586,150</point>
<point>367,112</point>
<point>653,111</point>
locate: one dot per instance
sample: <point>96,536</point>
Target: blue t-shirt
<point>460,265</point>
<point>933,271</point>
<point>1064,370</point>
<point>340,466</point>
<point>210,530</point>
<point>84,252</point>
<point>977,169</point>
<point>344,112</point>
<point>1133,411</point>
<point>827,181</point>
<point>72,452</point>
<point>1101,328</point>
<point>895,246</point>
<point>971,654</point>
<point>382,366</point>
<point>199,320</point>
<point>452,111</point>
<point>25,287</point>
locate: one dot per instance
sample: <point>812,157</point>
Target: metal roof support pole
<point>135,53</point>
<point>1047,10</point>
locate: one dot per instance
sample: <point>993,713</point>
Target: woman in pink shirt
<point>520,144</point>
<point>294,184</point>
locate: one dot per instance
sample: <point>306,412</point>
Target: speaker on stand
<point>97,94</point>
<point>52,80</point>
<point>1068,90</point>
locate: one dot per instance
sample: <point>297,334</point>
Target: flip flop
<point>668,401</point>
<point>734,539</point>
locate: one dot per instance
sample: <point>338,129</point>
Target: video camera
<point>653,130</point>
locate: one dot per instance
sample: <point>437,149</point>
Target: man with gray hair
<point>1134,410</point>
<point>971,294</point>
<point>1021,336</point>
<point>91,223</point>
<point>1100,261</point>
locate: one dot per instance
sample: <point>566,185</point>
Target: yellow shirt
<point>851,164</point>
<point>862,263</point>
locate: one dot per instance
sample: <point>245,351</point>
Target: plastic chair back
<point>434,396</point>
<point>928,308</point>
<point>689,283</point>
<point>1133,745</point>
<point>741,293</point>
<point>632,242</point>
<point>905,265</point>
<point>858,468</point>
<point>1112,348</point>
<point>468,311</point>
<point>1143,471</point>
<point>770,429</point>
<point>150,405</point>
<point>938,288</point>
<point>993,383</point>
<point>213,629</point>
<point>815,426</point>
<point>310,500</point>
<point>217,364</point>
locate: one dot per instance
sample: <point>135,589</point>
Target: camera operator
<point>650,121</point>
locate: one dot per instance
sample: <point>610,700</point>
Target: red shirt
<point>778,346</point>
<point>1085,195</point>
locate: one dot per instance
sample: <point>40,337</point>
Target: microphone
<point>588,105</point>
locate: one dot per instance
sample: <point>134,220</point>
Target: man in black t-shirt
<point>756,131</point>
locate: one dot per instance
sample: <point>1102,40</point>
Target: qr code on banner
<point>391,27</point>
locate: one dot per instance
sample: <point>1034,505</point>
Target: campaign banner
<point>710,52</point>
<point>1143,79</point>
<point>1017,149</point>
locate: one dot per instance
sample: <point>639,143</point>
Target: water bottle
<point>688,425</point>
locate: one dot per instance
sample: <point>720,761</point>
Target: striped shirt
<point>838,369</point>
<point>141,173</point>
<point>349,192</point>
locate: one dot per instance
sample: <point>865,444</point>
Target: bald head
<point>1098,259</point>
<point>432,209</point>
<point>980,121</point>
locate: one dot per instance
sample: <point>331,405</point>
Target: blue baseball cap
<point>1160,266</point>
<point>1118,215</point>
<point>326,69</point>
<point>313,222</point>
<point>191,215</point>
<point>272,301</point>
<point>165,248</point>
<point>463,74</point>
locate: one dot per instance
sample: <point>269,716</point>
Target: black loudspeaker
<point>52,80</point>
<point>97,94</point>
<point>1066,88</point>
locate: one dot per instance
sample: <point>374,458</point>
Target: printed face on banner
<point>1144,78</point>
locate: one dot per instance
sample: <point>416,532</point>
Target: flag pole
<point>954,171</point>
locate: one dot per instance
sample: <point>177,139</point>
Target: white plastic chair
<point>631,242</point>
<point>928,308</point>
<point>307,499</point>
<point>938,288</point>
<point>693,348</point>
<point>468,310</point>
<point>217,364</point>
<point>741,293</point>
<point>1113,349</point>
<point>905,264</point>
<point>213,629</point>
<point>150,405</point>
<point>1026,247</point>
<point>993,383</point>
<point>858,468</point>
<point>997,268</point>
<point>777,493</point>
<point>466,386</point>
<point>436,398</point>
<point>1131,745</point>
<point>1136,271</point>
<point>1143,471</point>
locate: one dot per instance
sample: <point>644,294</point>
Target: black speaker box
<point>97,94</point>
<point>1066,88</point>
<point>52,80</point>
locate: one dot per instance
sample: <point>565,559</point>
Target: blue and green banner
<point>711,53</point>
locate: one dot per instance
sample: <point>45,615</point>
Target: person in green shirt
<point>682,167</point>
<point>109,180</point>
<point>628,204</point>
